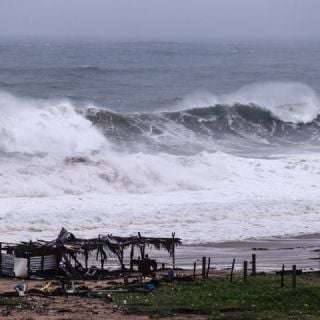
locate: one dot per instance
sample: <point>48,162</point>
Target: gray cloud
<point>160,19</point>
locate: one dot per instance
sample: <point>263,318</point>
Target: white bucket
<point>21,293</point>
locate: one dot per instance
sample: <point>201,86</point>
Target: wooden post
<point>245,271</point>
<point>294,276</point>
<point>208,269</point>
<point>42,261</point>
<point>282,277</point>
<point>0,257</point>
<point>28,266</point>
<point>173,251</point>
<point>58,258</point>
<point>204,262</point>
<point>232,268</point>
<point>254,266</point>
<point>98,249</point>
<point>102,256</point>
<point>194,268</point>
<point>131,256</point>
<point>86,255</point>
<point>28,263</point>
<point>142,247</point>
<point>121,257</point>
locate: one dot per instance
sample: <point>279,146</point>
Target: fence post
<point>194,269</point>
<point>282,276</point>
<point>294,276</point>
<point>254,265</point>
<point>245,271</point>
<point>204,259</point>
<point>208,269</point>
<point>232,268</point>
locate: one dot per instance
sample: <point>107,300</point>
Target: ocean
<point>216,141</point>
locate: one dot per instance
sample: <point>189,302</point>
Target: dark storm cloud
<point>160,19</point>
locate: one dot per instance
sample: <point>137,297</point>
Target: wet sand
<point>271,253</point>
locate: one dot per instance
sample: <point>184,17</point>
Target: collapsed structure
<point>68,256</point>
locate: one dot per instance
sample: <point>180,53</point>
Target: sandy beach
<point>271,254</point>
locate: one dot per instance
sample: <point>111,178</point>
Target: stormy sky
<point>160,19</point>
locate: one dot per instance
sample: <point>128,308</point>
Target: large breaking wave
<point>37,126</point>
<point>265,115</point>
<point>53,148</point>
<point>271,114</point>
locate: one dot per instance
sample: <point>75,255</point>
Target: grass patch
<point>12,302</point>
<point>260,298</point>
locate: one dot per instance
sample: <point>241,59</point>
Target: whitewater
<point>211,168</point>
<point>215,141</point>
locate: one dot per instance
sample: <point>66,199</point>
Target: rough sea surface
<point>215,141</point>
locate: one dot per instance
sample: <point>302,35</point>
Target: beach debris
<point>20,288</point>
<point>47,288</point>
<point>4,312</point>
<point>170,275</point>
<point>150,287</point>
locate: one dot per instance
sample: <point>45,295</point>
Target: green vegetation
<point>260,298</point>
<point>12,301</point>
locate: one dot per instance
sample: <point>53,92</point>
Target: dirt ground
<point>67,307</point>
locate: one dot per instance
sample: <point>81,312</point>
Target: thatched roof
<point>67,242</point>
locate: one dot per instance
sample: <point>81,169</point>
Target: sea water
<point>215,141</point>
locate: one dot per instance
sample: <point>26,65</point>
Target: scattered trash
<point>150,287</point>
<point>170,275</point>
<point>47,287</point>
<point>20,288</point>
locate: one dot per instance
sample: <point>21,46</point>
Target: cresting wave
<point>51,148</point>
<point>265,115</point>
<point>292,102</point>
<point>221,127</point>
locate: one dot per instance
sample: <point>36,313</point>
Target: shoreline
<point>271,253</point>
